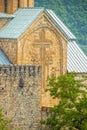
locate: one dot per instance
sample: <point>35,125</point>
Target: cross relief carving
<point>35,58</point>
<point>46,58</point>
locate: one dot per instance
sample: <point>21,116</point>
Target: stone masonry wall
<point>12,5</point>
<point>3,22</point>
<point>10,49</point>
<point>1,5</point>
<point>20,95</point>
<point>42,44</point>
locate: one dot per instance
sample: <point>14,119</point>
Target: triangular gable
<point>17,26</point>
<point>59,24</point>
<point>3,59</point>
<point>25,17</point>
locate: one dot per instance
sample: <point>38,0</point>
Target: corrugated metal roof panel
<point>60,25</point>
<point>3,59</point>
<point>23,19</point>
<point>76,59</point>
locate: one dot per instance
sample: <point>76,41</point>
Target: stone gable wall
<point>42,44</point>
<point>20,95</point>
<point>10,49</point>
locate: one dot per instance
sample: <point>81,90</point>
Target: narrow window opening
<point>5,4</point>
<point>18,3</point>
<point>27,3</point>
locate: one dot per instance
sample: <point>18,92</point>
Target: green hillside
<point>73,13</point>
<point>84,48</point>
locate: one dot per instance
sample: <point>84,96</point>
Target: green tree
<point>72,12</point>
<point>4,123</point>
<point>71,111</point>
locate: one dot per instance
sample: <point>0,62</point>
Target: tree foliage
<point>73,13</point>
<point>4,123</point>
<point>71,111</point>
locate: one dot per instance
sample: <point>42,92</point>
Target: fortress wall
<point>20,95</point>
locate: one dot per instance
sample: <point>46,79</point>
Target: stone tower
<point>10,6</point>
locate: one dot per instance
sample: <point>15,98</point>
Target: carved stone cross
<point>43,44</point>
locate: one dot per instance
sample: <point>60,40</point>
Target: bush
<point>71,111</point>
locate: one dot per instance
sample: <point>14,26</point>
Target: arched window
<point>27,3</point>
<point>18,3</point>
<point>5,5</point>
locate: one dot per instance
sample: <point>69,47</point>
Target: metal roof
<point>4,15</point>
<point>23,19</point>
<point>76,59</point>
<point>3,59</point>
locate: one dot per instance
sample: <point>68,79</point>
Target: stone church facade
<point>35,44</point>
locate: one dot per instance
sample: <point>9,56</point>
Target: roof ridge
<point>23,19</point>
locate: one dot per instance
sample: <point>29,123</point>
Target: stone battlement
<point>18,70</point>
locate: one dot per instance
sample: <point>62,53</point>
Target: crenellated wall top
<point>19,70</point>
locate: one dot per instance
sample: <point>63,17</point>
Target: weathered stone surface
<point>20,99</point>
<point>10,49</point>
<point>42,44</point>
<point>3,22</point>
<point>1,5</point>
